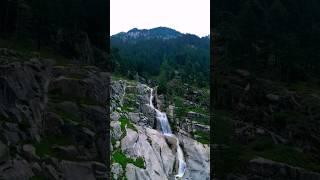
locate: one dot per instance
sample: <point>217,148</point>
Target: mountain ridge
<point>160,32</point>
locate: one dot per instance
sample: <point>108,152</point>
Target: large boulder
<point>77,170</point>
<point>197,157</point>
<point>116,170</point>
<point>29,152</point>
<point>135,173</point>
<point>116,132</point>
<point>18,169</point>
<point>129,141</point>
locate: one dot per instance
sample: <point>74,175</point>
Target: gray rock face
<point>150,113</point>
<point>115,130</point>
<point>23,92</point>
<point>116,170</point>
<point>129,141</point>
<point>93,87</point>
<point>118,89</point>
<point>74,108</point>
<point>262,168</point>
<point>144,93</point>
<point>158,157</point>
<point>135,173</point>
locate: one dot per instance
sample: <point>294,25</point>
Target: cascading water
<point>166,130</point>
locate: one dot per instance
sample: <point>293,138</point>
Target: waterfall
<point>166,130</point>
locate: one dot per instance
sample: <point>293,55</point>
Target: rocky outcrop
<point>197,157</point>
<point>52,119</point>
<point>267,117</point>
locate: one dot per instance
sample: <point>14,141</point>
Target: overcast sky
<point>186,16</point>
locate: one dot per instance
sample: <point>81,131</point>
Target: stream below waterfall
<point>166,130</point>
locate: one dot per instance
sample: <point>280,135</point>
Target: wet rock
<point>150,113</point>
<point>197,158</point>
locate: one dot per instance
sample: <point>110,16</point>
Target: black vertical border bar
<point>212,62</point>
<point>107,134</point>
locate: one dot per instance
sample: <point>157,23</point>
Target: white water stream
<point>166,130</point>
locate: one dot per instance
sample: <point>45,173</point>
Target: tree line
<point>41,21</point>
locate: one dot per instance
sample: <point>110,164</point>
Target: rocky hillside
<point>265,128</point>
<point>52,119</point>
<point>139,149</point>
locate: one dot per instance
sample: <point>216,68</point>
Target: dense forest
<point>73,29</point>
<point>163,54</point>
<point>281,36</point>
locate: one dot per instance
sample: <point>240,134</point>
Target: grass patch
<point>45,146</point>
<point>4,119</point>
<point>129,103</point>
<point>222,128</point>
<point>56,95</point>
<point>28,49</point>
<point>182,110</point>
<point>67,116</point>
<point>123,160</point>
<point>202,137</point>
<point>126,122</point>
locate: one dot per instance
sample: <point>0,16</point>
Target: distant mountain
<point>141,34</point>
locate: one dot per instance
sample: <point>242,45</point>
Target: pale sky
<point>186,16</point>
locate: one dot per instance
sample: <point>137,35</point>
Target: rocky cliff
<point>52,119</point>
<point>139,149</point>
